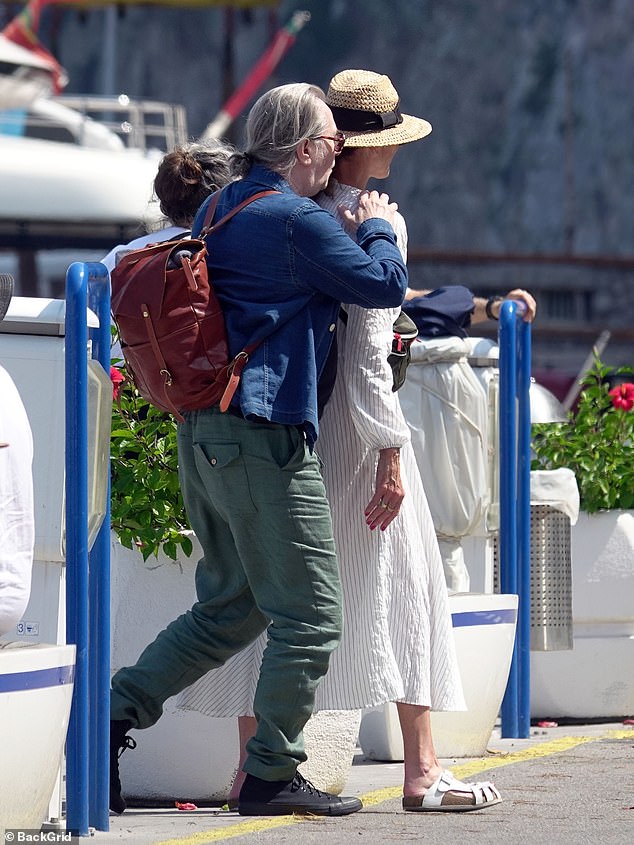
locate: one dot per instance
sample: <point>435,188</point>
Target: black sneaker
<point>282,798</point>
<point>118,744</point>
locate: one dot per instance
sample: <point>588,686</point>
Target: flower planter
<point>596,678</point>
<point>484,633</point>
<point>202,752</point>
<point>36,688</point>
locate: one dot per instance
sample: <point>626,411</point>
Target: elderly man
<point>251,482</point>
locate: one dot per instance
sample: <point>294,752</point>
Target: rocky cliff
<point>532,148</point>
<point>530,102</point>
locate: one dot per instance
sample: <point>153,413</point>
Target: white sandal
<point>445,796</point>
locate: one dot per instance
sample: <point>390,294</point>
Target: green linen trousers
<point>255,498</point>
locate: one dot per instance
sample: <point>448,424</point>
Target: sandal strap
<point>483,792</point>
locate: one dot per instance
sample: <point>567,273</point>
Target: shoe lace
<point>300,782</point>
<point>128,742</point>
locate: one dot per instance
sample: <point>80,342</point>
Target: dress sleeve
<point>376,410</point>
<point>364,368</point>
<point>400,230</point>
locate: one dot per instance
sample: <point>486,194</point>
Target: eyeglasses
<point>339,140</point>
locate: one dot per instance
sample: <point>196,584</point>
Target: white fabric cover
<point>445,406</point>
<point>557,488</point>
<point>17,532</point>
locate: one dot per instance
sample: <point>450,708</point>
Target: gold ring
<point>391,509</point>
<point>383,505</point>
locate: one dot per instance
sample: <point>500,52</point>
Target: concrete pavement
<point>566,785</point>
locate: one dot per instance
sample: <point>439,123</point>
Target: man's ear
<point>304,153</point>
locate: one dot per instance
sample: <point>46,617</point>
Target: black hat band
<point>356,120</point>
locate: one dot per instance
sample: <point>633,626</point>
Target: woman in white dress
<point>397,643</point>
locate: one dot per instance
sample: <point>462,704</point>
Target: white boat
<point>23,75</point>
<point>72,187</point>
<point>34,680</point>
<point>75,188</point>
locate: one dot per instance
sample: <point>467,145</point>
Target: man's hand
<point>479,313</point>
<point>520,296</point>
<point>371,204</point>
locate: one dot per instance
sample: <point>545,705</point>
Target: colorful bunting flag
<point>275,52</point>
<point>22,30</point>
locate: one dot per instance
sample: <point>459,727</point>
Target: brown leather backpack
<point>170,323</point>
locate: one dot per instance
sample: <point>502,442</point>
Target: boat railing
<point>142,124</point>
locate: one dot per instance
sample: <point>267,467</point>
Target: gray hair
<point>280,120</point>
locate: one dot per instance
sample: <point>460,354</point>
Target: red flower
<point>117,378</point>
<point>623,396</point>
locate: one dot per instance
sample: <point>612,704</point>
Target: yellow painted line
<point>378,796</point>
<point>238,829</point>
<point>496,761</point>
<point>544,749</point>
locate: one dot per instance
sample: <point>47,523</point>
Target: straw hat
<point>365,106</point>
<point>6,292</point>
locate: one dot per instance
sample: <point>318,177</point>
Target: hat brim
<point>411,129</point>
<point>6,293</point>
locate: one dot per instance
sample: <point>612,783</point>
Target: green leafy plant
<point>146,503</point>
<point>596,442</point>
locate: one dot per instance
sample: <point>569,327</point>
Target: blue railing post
<point>524,526</point>
<point>77,600</point>
<point>87,586</point>
<point>99,589</point>
<point>515,354</point>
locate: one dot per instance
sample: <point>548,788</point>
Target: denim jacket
<point>280,268</point>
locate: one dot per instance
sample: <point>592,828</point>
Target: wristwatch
<point>487,309</point>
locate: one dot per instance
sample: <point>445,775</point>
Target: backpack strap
<point>209,215</point>
<point>167,376</point>
<point>238,363</point>
<point>211,210</point>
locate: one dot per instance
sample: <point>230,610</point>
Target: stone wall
<point>530,104</point>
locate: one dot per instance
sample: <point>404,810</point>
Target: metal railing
<point>515,517</point>
<point>142,124</point>
<point>88,586</point>
<point>87,581</point>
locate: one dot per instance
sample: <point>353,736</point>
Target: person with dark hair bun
<point>186,176</point>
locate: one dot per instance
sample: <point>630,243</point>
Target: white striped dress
<point>397,643</point>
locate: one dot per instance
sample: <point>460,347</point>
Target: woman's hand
<point>371,204</point>
<point>385,505</point>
